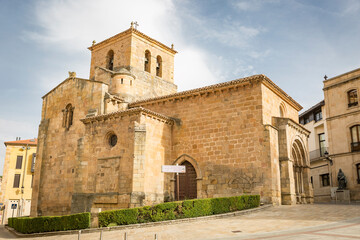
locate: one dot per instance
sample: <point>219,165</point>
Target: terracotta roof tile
<point>32,141</point>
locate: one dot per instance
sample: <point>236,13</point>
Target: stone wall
<point>223,133</point>
<point>60,150</point>
<point>122,54</point>
<point>340,117</point>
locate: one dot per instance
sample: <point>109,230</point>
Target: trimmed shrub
<point>197,208</point>
<point>120,217</point>
<point>49,224</point>
<point>176,210</point>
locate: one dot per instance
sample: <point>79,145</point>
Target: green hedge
<point>49,224</point>
<point>176,210</point>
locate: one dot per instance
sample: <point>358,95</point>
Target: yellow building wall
<point>8,192</point>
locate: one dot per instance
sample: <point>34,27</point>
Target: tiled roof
<point>32,141</point>
<point>318,105</point>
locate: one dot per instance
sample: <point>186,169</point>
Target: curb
<point>139,225</point>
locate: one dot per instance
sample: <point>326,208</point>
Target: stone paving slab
<point>318,221</point>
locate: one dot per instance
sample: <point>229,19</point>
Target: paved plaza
<point>318,221</point>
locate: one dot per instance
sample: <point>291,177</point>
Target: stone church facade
<point>102,141</point>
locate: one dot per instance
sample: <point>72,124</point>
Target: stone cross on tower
<point>134,24</point>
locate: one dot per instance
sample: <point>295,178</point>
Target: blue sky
<point>294,42</point>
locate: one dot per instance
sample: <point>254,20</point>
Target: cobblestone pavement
<point>318,221</point>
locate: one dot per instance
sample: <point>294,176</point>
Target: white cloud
<point>70,26</point>
<point>192,69</point>
<point>351,7</point>
<point>246,5</point>
<point>253,5</point>
<point>232,34</point>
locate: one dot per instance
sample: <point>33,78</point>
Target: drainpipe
<point>23,179</point>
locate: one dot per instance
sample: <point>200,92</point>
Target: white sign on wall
<point>173,169</point>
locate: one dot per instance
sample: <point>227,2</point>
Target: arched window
<point>355,138</point>
<point>158,66</point>
<point>281,112</point>
<point>110,60</point>
<point>352,98</point>
<point>147,61</point>
<point>68,114</point>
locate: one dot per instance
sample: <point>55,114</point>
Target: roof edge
<point>69,78</point>
<point>22,142</point>
<point>319,104</point>
<point>229,84</point>
<point>341,75</point>
<point>130,111</point>
<point>130,31</point>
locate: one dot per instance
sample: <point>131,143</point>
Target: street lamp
<point>326,155</point>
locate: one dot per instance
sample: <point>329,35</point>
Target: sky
<point>293,42</point>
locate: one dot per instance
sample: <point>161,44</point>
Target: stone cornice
<point>342,82</point>
<point>128,32</point>
<point>132,111</point>
<point>341,75</point>
<point>291,123</point>
<point>221,86</point>
<point>343,115</point>
<point>70,78</point>
<point>122,71</point>
<point>335,155</point>
<point>298,127</point>
<point>271,126</point>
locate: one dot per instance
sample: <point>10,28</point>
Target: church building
<point>102,141</point>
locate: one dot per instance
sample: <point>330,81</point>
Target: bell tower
<point>133,65</point>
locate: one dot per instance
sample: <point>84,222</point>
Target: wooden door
<point>188,185</point>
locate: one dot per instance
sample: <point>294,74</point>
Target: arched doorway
<point>299,160</point>
<point>187,183</point>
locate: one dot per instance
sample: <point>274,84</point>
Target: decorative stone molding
<point>138,110</point>
<point>292,124</point>
<point>121,71</point>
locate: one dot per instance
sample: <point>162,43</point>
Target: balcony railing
<point>355,146</point>
<point>317,153</point>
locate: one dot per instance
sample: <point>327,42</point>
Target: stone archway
<point>187,183</point>
<point>300,169</point>
<point>194,179</point>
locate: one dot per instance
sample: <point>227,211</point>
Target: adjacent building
<point>313,119</point>
<point>103,140</point>
<point>18,177</point>
<point>335,129</point>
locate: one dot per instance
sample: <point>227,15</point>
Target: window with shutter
<point>19,162</point>
<point>16,181</point>
<point>33,162</point>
